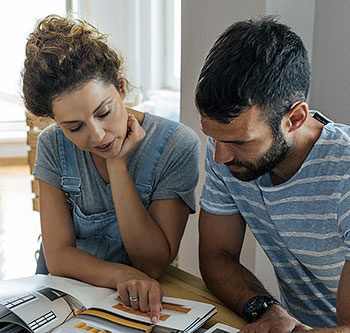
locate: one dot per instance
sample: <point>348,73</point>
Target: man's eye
<point>75,129</point>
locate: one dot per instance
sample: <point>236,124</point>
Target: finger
<point>302,328</point>
<point>133,296</point>
<point>134,301</point>
<point>128,125</point>
<point>155,296</point>
<point>131,121</point>
<point>124,295</point>
<point>143,300</point>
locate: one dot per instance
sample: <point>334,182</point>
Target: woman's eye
<point>75,129</point>
<point>105,114</point>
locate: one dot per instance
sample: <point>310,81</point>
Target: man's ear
<point>296,116</point>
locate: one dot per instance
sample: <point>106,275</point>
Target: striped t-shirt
<point>303,225</point>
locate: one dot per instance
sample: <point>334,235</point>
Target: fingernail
<point>154,319</point>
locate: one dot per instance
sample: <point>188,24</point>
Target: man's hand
<point>275,320</point>
<point>139,291</point>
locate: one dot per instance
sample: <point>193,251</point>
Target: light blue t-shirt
<point>303,225</point>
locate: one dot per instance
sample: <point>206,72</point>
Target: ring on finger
<point>133,298</point>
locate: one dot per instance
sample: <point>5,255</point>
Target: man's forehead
<point>243,126</point>
<point>243,118</point>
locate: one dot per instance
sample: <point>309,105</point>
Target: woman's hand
<point>139,291</point>
<point>135,134</point>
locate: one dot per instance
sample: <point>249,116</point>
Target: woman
<point>116,185</point>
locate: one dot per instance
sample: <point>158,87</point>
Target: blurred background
<point>164,43</point>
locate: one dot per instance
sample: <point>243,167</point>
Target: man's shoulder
<point>335,137</point>
<point>337,130</point>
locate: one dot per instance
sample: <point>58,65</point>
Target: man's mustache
<point>236,163</point>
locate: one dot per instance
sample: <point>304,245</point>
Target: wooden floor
<point>19,224</point>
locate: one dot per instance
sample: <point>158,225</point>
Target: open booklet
<point>221,328</point>
<point>44,303</point>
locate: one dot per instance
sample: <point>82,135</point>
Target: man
<point>282,171</point>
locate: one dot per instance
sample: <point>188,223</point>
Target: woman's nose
<point>97,134</point>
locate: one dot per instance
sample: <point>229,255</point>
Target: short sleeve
<point>216,198</point>
<point>344,217</point>
<point>47,166</point>
<point>179,170</point>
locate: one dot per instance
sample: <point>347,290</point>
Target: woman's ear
<point>122,87</point>
<point>296,116</point>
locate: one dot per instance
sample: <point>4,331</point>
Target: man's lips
<point>235,167</point>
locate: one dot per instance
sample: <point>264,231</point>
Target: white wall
<point>330,88</point>
<point>136,30</point>
<point>202,22</point>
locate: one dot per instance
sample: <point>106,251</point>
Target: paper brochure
<point>44,303</point>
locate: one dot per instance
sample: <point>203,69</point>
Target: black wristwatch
<point>256,306</point>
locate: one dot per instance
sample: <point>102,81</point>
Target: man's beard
<point>277,152</point>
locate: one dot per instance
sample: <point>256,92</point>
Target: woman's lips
<point>106,147</point>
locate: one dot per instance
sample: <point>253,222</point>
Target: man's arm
<point>220,244</point>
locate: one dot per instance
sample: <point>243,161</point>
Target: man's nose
<point>223,153</point>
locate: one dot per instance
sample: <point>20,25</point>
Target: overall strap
<point>154,152</point>
<point>70,180</point>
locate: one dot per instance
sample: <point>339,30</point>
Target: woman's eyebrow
<point>93,112</point>
<point>101,104</point>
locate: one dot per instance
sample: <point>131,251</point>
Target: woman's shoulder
<point>49,132</point>
<point>181,132</point>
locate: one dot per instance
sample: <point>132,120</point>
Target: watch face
<point>255,307</point>
<point>255,304</point>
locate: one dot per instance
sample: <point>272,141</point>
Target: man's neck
<point>303,142</point>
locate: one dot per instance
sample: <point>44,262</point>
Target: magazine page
<point>41,310</point>
<point>9,322</point>
<point>13,287</point>
<point>180,314</point>
<point>44,302</point>
<point>221,328</point>
<point>80,324</point>
<point>85,293</point>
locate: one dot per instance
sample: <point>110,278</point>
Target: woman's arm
<point>64,259</point>
<point>152,237</point>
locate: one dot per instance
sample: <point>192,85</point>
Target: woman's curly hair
<point>61,54</point>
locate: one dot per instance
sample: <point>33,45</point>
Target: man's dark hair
<point>254,63</point>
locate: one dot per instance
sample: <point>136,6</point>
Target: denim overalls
<point>98,234</point>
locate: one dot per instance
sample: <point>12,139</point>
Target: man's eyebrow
<point>237,142</point>
<point>93,112</point>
